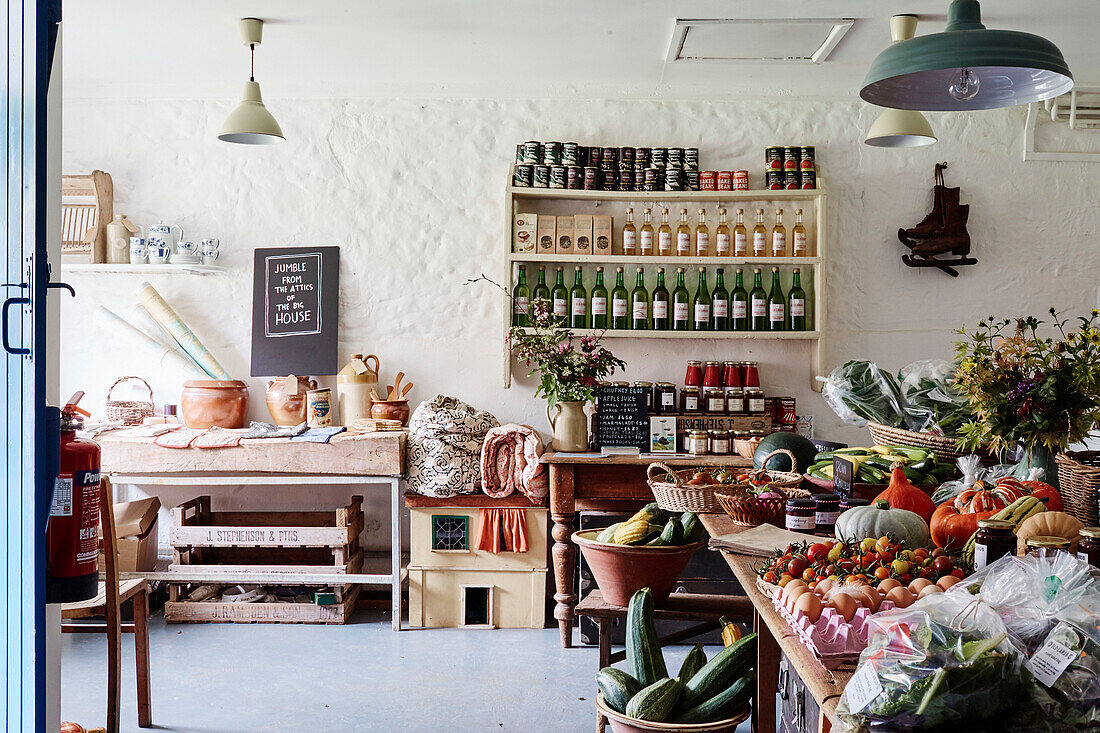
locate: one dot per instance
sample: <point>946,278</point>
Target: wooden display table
<point>776,635</point>
<point>348,460</point>
<point>595,482</point>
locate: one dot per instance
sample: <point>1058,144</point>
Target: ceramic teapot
<point>286,407</point>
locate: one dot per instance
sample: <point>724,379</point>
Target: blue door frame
<point>29,28</point>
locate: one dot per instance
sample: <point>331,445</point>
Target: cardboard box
<point>136,530</point>
<point>565,235</point>
<point>601,234</point>
<point>582,234</point>
<point>523,233</point>
<point>547,239</point>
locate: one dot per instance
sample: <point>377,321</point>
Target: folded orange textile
<point>510,463</point>
<point>502,530</point>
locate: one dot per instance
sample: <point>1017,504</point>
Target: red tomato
<point>797,566</point>
<point>816,552</point>
<point>882,544</point>
<point>886,557</point>
<point>784,579</point>
<point>927,572</point>
<point>942,564</point>
<point>938,552</point>
<point>809,574</point>
<point>882,573</point>
<point>769,577</point>
<point>921,553</point>
<point>829,570</point>
<point>959,573</point>
<point>906,578</point>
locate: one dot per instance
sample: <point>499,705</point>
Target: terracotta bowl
<point>391,410</point>
<point>207,403</point>
<point>622,570</point>
<point>622,724</point>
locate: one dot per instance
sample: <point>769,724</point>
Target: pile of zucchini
<point>702,692</point>
<point>872,465</point>
<point>655,527</point>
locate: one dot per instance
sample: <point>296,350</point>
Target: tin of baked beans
<point>609,180</point>
<point>773,180</point>
<point>639,179</point>
<point>673,179</point>
<point>740,180</point>
<point>707,181</point>
<point>594,156</point>
<point>532,152</point>
<point>675,157</point>
<point>658,157</point>
<point>808,178</point>
<point>806,159</point>
<point>652,177</point>
<point>773,158</point>
<point>626,157</point>
<point>523,175</point>
<point>591,178</point>
<point>609,158</point>
<point>724,181</point>
<point>791,152</point>
<point>641,158</point>
<point>792,180</point>
<point>691,180</point>
<point>785,410</point>
<point>574,177</point>
<point>557,176</point>
<point>551,153</point>
<point>542,176</point>
<point>691,159</point>
<point>570,154</point>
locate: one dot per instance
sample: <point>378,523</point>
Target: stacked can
<point>790,167</point>
<point>568,165</point>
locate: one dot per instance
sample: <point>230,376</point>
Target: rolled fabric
<point>140,319</point>
<point>171,322</point>
<point>168,358</point>
<point>510,463</point>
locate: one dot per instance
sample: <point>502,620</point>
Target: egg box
<point>832,639</point>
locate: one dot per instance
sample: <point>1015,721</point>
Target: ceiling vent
<point>797,40</point>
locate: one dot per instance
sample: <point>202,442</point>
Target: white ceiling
<point>493,48</point>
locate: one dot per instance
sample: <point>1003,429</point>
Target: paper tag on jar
<point>290,384</point>
<point>359,366</point>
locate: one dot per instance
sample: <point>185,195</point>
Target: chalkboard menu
<point>843,477</point>
<point>621,418</point>
<point>295,311</point>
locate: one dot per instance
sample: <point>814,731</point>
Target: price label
<point>863,687</point>
<point>842,477</point>
<point>1048,664</point>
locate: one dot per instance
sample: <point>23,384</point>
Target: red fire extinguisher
<point>72,532</point>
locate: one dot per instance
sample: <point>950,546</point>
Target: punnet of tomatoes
<point>872,561</point>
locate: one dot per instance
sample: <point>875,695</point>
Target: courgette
<point>617,687</point>
<point>878,462</point>
<point>607,534</point>
<point>720,672</point>
<point>824,456</point>
<point>643,653</point>
<point>852,452</point>
<point>693,528</point>
<point>655,702</point>
<point>722,706</point>
<point>915,477</point>
<point>818,473</point>
<point>928,464</point>
<point>693,662</point>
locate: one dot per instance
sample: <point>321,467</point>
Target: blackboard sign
<point>295,311</point>
<point>622,418</point>
<point>842,477</point>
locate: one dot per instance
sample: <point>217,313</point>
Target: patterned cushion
<point>444,447</point>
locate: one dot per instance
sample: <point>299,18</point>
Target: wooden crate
<point>237,545</point>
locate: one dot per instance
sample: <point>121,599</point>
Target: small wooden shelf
<point>699,335</point>
<point>524,192</point>
<point>668,262</point>
<point>168,269</point>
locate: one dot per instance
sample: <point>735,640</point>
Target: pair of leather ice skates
<point>941,232</point>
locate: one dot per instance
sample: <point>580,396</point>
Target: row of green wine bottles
<point>739,309</point>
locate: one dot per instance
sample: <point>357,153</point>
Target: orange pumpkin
<point>951,528</point>
<point>901,494</point>
<point>983,497</point>
<point>1037,489</point>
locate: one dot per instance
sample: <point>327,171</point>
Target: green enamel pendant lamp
<point>250,123</point>
<point>900,128</point>
<point>967,67</point>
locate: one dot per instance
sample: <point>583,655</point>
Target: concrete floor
<point>229,678</point>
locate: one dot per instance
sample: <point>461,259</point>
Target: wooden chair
<point>109,597</point>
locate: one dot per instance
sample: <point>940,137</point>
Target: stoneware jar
<point>209,403</point>
<point>391,410</point>
<point>287,408</point>
<point>353,388</point>
<point>570,425</point>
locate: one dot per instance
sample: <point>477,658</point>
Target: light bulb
<point>965,87</point>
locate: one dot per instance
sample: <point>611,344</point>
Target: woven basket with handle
<point>944,448</point>
<point>749,511</point>
<point>1079,479</point>
<point>130,412</point>
<point>672,492</point>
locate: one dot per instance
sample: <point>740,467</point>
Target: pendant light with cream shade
<point>250,123</point>
<point>900,128</point>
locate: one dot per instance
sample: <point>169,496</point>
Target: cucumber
<point>722,706</point>
<point>818,473</point>
<point>928,464</point>
<point>693,662</point>
<point>617,688</point>
<point>673,533</point>
<point>643,653</point>
<point>693,528</point>
<point>655,702</point>
<point>720,672</point>
<point>607,534</point>
<point>876,476</point>
<point>852,452</point>
<point>915,477</point>
<point>824,456</point>
<point>878,462</point>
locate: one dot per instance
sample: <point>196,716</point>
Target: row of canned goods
<point>591,178</point>
<point>625,157</point>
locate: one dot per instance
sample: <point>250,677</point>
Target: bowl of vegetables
<point>651,549</point>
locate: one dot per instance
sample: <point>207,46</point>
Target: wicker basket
<point>130,412</point>
<point>782,479</point>
<point>749,511</point>
<point>746,447</point>
<point>1079,476</point>
<point>677,496</point>
<point>943,447</point>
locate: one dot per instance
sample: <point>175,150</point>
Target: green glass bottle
<point>739,304</point>
<point>720,305</point>
<point>599,301</point>
<point>639,304</point>
<point>661,321</point>
<point>681,304</point>
<point>559,296</point>
<point>521,300</point>
<point>758,303</point>
<point>796,304</point>
<point>777,305</point>
<point>541,293</point>
<point>578,301</point>
<point>700,304</point>
<point>620,302</point>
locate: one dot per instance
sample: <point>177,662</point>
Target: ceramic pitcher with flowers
<point>570,425</point>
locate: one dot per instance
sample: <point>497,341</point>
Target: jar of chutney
<point>826,511</point>
<point>993,541</point>
<point>1088,546</point>
<point>690,402</point>
<point>664,398</point>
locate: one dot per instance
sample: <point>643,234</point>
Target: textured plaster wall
<point>412,192</point>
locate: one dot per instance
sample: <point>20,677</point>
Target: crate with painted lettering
<point>222,553</point>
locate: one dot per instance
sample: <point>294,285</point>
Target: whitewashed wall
<point>413,194</point>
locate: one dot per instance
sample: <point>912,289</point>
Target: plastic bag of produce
<point>945,662</point>
<point>859,391</point>
<point>931,403</point>
<point>972,471</point>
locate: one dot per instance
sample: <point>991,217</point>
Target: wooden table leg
<point>767,677</point>
<point>605,625</point>
<point>141,656</point>
<point>562,511</point>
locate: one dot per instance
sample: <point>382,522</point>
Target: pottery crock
<point>391,410</point>
<point>207,403</point>
<point>286,408</point>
